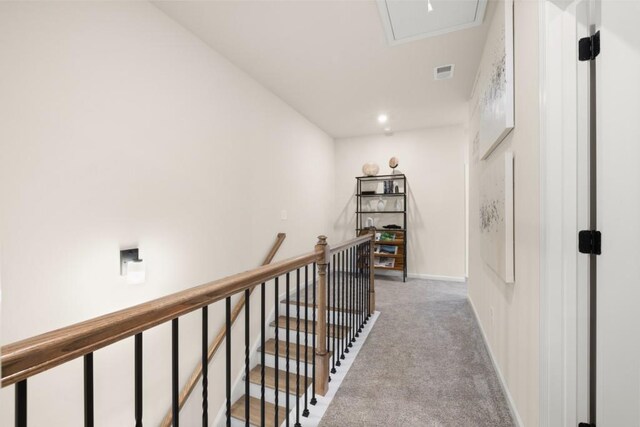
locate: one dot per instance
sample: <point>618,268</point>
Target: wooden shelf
<point>379,255</point>
<point>396,267</point>
<point>390,242</point>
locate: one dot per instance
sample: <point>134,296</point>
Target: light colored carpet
<point>423,364</point>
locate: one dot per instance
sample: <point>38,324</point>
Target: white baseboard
<point>503,383</point>
<point>423,276</point>
<point>436,277</point>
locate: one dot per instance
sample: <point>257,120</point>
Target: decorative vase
<point>381,205</point>
<point>370,169</point>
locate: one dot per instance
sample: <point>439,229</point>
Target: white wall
<point>509,313</point>
<point>120,128</point>
<point>433,160</point>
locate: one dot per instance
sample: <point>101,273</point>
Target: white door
<point>618,214</point>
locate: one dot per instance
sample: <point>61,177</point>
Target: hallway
<point>423,364</point>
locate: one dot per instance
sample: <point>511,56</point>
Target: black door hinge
<point>590,242</point>
<point>589,47</point>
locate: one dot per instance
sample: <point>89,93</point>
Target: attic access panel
<point>408,20</point>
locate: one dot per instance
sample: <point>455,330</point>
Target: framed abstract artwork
<point>495,81</point>
<point>497,217</point>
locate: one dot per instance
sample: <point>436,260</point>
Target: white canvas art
<point>495,81</point>
<point>496,217</point>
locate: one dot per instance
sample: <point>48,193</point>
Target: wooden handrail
<point>349,243</point>
<point>23,359</point>
<point>215,345</point>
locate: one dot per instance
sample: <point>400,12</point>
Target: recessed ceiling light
<point>429,6</point>
<point>382,118</point>
<point>387,129</point>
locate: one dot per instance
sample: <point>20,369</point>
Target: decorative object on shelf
<point>399,204</point>
<point>381,204</point>
<point>393,164</point>
<point>388,187</point>
<point>369,222</point>
<point>495,82</point>
<point>496,217</point>
<point>368,192</point>
<point>392,227</point>
<point>386,235</point>
<point>370,169</point>
<point>397,189</point>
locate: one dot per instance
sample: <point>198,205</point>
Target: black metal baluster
<point>228,360</point>
<point>332,307</point>
<point>347,312</point>
<point>277,343</point>
<point>353,296</point>
<point>21,404</point>
<point>360,317</point>
<point>343,309</point>
<point>343,306</point>
<point>357,278</point>
<point>298,348</point>
<point>347,303</point>
<point>287,351</point>
<point>88,390</point>
<point>205,366</point>
<point>138,378</point>
<point>364,288</point>
<point>247,397</point>
<point>305,412</point>
<point>175,386</point>
<point>313,326</point>
<point>328,323</point>
<point>263,295</point>
<point>336,309</point>
<point>365,279</point>
<point>368,279</point>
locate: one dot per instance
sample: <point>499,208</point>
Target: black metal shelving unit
<point>375,184</point>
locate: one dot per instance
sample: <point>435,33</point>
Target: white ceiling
<point>330,60</point>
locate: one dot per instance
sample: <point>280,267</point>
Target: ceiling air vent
<point>443,72</point>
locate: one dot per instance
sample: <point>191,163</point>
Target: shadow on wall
<point>346,219</point>
<point>415,222</point>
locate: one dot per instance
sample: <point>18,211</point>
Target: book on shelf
<point>385,235</point>
<point>384,262</point>
<point>386,249</point>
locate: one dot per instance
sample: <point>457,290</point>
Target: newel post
<point>322,356</point>
<point>372,287</point>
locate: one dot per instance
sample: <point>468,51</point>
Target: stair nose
<point>255,377</point>
<point>307,325</point>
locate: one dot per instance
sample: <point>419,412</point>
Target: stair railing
<point>353,296</point>
<point>217,342</point>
